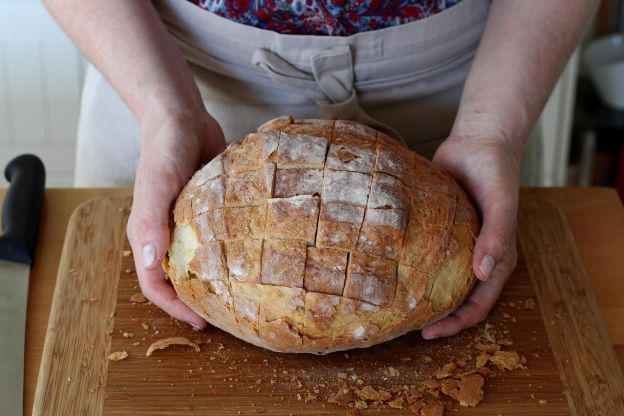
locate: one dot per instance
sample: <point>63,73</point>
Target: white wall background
<point>556,127</point>
<point>41,75</point>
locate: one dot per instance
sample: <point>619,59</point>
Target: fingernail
<point>149,256</point>
<point>195,328</point>
<point>429,337</point>
<point>487,265</point>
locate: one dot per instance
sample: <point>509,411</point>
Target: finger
<point>148,232</point>
<point>162,294</point>
<point>495,248</point>
<point>152,280</point>
<point>474,310</point>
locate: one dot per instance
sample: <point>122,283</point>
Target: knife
<point>20,221</point>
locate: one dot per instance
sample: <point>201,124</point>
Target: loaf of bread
<point>319,235</point>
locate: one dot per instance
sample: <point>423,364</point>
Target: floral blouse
<point>324,17</point>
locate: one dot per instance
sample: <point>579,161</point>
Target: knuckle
<point>502,247</point>
<point>499,244</point>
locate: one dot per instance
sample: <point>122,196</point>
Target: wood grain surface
<point>229,376</point>
<point>595,217</point>
<point>58,206</point>
<point>74,365</point>
<point>590,371</point>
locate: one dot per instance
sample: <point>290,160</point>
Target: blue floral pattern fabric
<point>324,17</point>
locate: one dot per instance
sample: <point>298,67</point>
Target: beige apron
<point>405,79</point>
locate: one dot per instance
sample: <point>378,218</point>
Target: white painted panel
<point>26,18</point>
<point>556,120</point>
<point>5,118</point>
<point>26,95</point>
<point>41,76</point>
<point>55,159</point>
<point>62,89</point>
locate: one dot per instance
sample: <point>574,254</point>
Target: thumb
<point>148,232</point>
<point>495,249</point>
<point>149,220</point>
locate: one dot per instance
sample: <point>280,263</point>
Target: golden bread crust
<point>319,235</point>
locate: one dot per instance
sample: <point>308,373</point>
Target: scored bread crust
<point>320,235</point>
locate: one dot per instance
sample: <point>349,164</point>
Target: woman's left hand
<point>488,170</point>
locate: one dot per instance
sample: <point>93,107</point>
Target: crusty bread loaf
<point>317,236</point>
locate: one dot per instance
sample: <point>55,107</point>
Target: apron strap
<point>330,85</point>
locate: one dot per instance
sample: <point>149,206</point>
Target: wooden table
<point>595,215</point>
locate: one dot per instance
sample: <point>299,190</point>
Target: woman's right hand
<point>129,44</point>
<point>173,146</point>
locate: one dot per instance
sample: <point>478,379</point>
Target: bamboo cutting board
<point>571,366</point>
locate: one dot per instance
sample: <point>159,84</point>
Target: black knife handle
<point>21,211</point>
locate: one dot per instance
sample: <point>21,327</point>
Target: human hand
<point>488,170</point>
<point>172,148</point>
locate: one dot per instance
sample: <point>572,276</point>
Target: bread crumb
<point>360,404</point>
<point>126,253</point>
<point>397,403</point>
<point>145,326</point>
<point>416,407</point>
<point>431,384</point>
<point>446,371</point>
<point>393,372</point>
<point>482,360</point>
<point>493,347</point>
<point>136,344</point>
<point>467,391</point>
<point>542,401</point>
<point>166,342</point>
<point>118,356</point>
<point>127,334</point>
<point>138,298</point>
<point>488,333</point>
<point>369,393</point>
<point>432,409</point>
<point>529,304</point>
<point>506,360</point>
<point>449,386</point>
<point>463,360</point>
<point>342,396</point>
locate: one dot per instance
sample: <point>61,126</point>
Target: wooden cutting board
<point>571,366</point>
